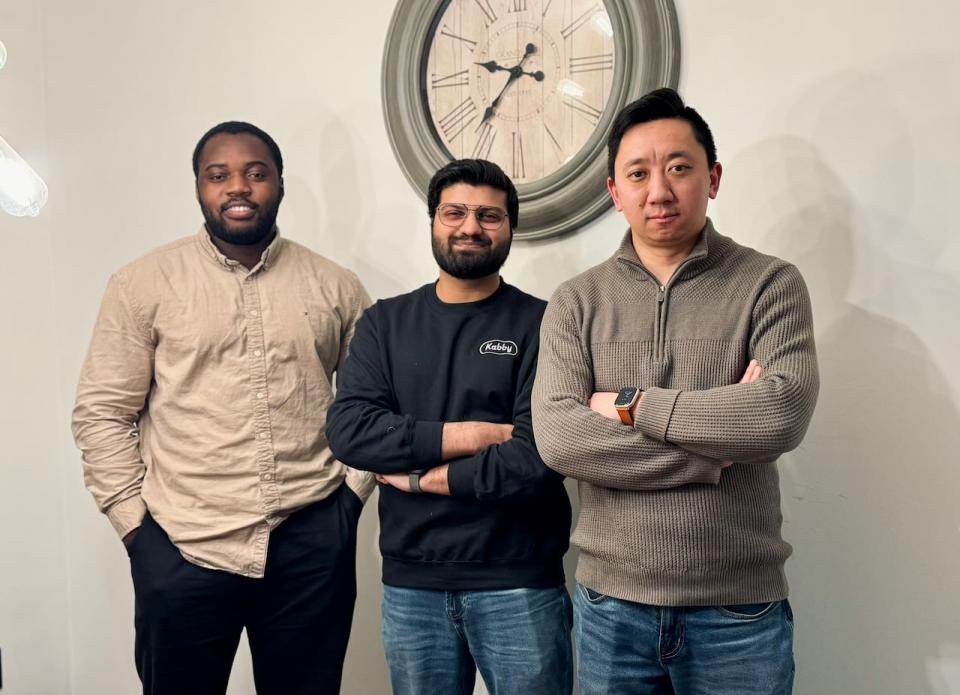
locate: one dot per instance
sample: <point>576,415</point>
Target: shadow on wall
<point>347,222</point>
<point>870,497</point>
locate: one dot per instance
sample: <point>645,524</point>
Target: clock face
<point>523,83</point>
<point>533,85</point>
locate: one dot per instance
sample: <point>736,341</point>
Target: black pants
<point>189,619</point>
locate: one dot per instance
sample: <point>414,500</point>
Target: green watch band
<point>415,482</point>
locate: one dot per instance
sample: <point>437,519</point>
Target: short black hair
<point>660,103</point>
<point>235,128</point>
<point>475,172</point>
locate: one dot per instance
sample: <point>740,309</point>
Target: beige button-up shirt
<point>204,394</point>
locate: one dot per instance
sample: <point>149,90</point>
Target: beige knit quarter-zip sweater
<point>660,522</point>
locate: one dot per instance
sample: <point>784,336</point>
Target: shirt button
<point>259,394</point>
<point>258,353</point>
<point>262,435</point>
<point>253,312</point>
<point>266,476</point>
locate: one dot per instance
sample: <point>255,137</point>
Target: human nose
<point>471,224</point>
<point>658,189</point>
<point>237,184</point>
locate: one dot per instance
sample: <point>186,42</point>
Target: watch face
<point>523,83</point>
<point>626,397</point>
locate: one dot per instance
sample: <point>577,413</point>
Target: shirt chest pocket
<point>297,331</point>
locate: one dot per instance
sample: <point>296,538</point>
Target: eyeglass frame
<point>475,209</point>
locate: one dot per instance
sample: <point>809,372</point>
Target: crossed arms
<point>679,437</point>
<point>483,460</point>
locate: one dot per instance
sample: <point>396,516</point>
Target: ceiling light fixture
<point>22,191</point>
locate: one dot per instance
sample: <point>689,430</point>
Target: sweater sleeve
<point>512,470</point>
<point>759,420</point>
<point>577,442</point>
<point>361,482</point>
<point>363,426</point>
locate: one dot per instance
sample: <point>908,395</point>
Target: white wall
<point>837,124</point>
<point>34,610</point>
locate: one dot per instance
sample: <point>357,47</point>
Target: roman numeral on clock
<point>603,61</point>
<point>519,171</point>
<point>553,139</point>
<point>517,6</point>
<point>488,11</point>
<point>462,115</point>
<point>583,108</point>
<point>481,150</point>
<point>444,31</point>
<point>568,30</point>
<point>457,79</point>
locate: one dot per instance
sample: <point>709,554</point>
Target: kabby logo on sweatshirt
<point>499,347</point>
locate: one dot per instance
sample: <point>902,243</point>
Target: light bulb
<point>3,55</point>
<point>22,191</point>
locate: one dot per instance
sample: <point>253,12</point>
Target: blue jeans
<point>519,640</point>
<point>627,648</point>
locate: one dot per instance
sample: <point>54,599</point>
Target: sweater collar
<point>704,253</point>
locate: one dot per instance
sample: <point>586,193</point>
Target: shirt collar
<point>267,259</point>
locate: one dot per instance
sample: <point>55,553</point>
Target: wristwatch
<point>626,399</point>
<point>415,481</point>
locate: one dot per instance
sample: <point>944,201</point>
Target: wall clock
<point>530,84</point>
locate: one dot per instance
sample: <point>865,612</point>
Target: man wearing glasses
<point>435,399</point>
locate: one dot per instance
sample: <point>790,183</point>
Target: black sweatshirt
<point>415,363</point>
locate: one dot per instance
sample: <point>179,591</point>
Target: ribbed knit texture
<point>660,522</point>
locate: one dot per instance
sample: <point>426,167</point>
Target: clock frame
<point>646,55</point>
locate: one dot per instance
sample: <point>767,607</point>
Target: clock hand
<point>492,66</point>
<point>515,72</point>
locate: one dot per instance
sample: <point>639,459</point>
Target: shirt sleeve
<point>582,444</point>
<point>361,482</point>
<point>514,469</point>
<point>752,422</point>
<point>114,383</point>
<point>364,428</point>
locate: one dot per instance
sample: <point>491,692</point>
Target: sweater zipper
<point>661,329</point>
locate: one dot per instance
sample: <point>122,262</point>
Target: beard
<point>263,226</point>
<point>469,265</point>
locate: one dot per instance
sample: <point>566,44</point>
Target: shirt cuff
<point>127,515</point>
<point>654,412</point>
<point>460,477</point>
<point>427,444</point>
<point>361,482</point>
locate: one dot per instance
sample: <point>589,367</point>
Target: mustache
<point>482,239</point>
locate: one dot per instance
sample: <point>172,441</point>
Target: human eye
<point>216,177</point>
<point>257,175</point>
<point>490,216</point>
<point>453,214</point>
<point>680,168</point>
<point>637,175</point>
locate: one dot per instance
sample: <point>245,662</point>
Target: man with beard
<point>435,399</point>
<point>200,413</point>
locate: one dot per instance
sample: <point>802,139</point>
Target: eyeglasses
<point>455,214</point>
